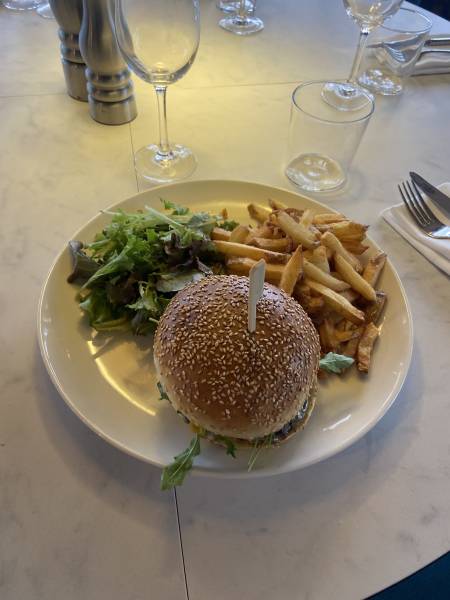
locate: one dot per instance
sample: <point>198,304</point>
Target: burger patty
<point>273,439</point>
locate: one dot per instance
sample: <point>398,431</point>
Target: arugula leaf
<point>176,208</point>
<point>175,473</point>
<point>230,445</point>
<point>228,224</point>
<point>265,442</point>
<point>335,363</point>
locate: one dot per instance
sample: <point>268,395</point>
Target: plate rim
<point>214,472</point>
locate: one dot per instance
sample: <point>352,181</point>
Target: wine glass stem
<point>164,146</point>
<point>242,10</point>
<point>358,56</point>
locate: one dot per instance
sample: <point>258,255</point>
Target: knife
<point>440,199</point>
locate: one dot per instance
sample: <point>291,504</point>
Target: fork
<point>421,214</point>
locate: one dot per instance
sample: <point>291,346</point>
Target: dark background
<point>438,7</point>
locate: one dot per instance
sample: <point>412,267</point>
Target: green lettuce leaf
<point>335,363</point>
<point>175,473</point>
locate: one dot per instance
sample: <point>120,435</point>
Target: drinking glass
<point>243,21</point>
<point>159,41</point>
<point>44,11</point>
<point>323,139</point>
<point>368,14</point>
<point>392,52</point>
<point>21,4</point>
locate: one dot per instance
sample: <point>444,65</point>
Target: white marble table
<point>80,520</point>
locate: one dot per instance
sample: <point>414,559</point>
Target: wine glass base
<point>315,173</point>
<point>242,25</point>
<point>233,7</point>
<point>379,82</point>
<point>157,167</point>
<point>345,96</point>
<point>21,4</point>
<point>45,11</point>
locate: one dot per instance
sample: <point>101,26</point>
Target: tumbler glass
<point>392,52</point>
<point>323,139</point>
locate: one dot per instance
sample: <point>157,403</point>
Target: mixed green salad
<point>136,264</point>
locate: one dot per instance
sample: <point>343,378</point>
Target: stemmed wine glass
<point>159,41</point>
<point>44,10</point>
<point>243,21</point>
<point>368,14</point>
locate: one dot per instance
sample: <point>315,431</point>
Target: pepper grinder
<point>109,85</point>
<point>68,14</point>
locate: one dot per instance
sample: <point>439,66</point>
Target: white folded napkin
<point>437,251</point>
<point>433,63</point>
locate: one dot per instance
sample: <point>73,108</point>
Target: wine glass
<point>159,41</point>
<point>232,6</point>
<point>20,4</point>
<point>243,21</point>
<point>368,14</point>
<point>44,10</point>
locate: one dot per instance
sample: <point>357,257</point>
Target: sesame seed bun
<point>229,381</point>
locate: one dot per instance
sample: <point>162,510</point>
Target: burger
<point>237,388</point>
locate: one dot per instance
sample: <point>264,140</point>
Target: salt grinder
<point>68,14</point>
<point>109,85</point>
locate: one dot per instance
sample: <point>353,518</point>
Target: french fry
<point>327,218</point>
<point>315,305</point>
<point>365,347</point>
<point>373,268</point>
<point>295,213</point>
<point>259,213</point>
<point>306,218</point>
<point>351,346</point>
<point>275,244</point>
<point>327,332</point>
<point>276,204</point>
<point>353,278</point>
<point>294,230</point>
<point>292,271</point>
<point>319,258</point>
<point>332,242</point>
<point>349,230</point>
<point>242,250</point>
<point>354,246</point>
<point>350,295</point>
<point>220,234</point>
<point>346,336</point>
<point>301,290</point>
<point>337,302</point>
<point>242,266</point>
<point>239,234</point>
<point>374,309</point>
<point>317,274</point>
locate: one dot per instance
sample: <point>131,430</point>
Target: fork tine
<point>415,202</point>
<point>423,204</point>
<point>416,217</point>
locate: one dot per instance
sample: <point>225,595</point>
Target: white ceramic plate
<point>109,382</point>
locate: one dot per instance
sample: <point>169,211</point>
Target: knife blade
<point>440,199</point>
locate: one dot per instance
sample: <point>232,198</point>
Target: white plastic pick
<point>256,275</point>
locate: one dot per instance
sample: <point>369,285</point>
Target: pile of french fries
<point>319,260</point>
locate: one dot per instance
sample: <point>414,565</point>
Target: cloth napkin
<point>435,56</point>
<point>436,251</point>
